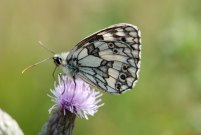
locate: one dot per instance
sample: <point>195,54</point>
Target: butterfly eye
<point>57,60</point>
<point>110,45</point>
<point>118,85</point>
<point>122,77</point>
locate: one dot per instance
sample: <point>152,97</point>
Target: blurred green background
<point>165,101</point>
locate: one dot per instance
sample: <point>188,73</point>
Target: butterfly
<point>108,59</point>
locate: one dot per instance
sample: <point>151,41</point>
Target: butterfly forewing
<point>109,59</point>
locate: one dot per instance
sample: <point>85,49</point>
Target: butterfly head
<point>60,59</point>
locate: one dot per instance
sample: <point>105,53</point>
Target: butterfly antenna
<point>42,45</point>
<point>31,66</point>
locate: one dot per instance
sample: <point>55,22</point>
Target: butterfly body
<point>108,59</point>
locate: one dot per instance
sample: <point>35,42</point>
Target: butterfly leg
<point>74,92</point>
<point>53,73</point>
<point>60,75</point>
<point>74,82</point>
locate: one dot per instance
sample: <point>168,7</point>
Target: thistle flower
<point>75,96</point>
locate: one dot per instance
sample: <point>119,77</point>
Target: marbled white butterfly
<point>108,59</point>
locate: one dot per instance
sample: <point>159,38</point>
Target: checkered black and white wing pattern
<point>109,59</point>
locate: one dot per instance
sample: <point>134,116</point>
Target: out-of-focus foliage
<point>165,101</point>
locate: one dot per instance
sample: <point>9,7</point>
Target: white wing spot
<point>105,52</point>
<point>97,44</point>
<point>119,29</point>
<point>136,40</point>
<point>127,51</point>
<point>131,61</point>
<point>133,34</point>
<point>109,38</point>
<point>111,82</point>
<point>123,87</point>
<point>136,53</point>
<point>136,46</point>
<point>91,61</point>
<point>132,70</point>
<point>129,39</point>
<point>107,35</point>
<point>83,53</point>
<point>120,34</point>
<point>117,65</point>
<point>130,80</point>
<point>129,29</point>
<point>114,73</point>
<point>115,58</point>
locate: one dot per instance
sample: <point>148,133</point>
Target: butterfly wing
<point>110,58</point>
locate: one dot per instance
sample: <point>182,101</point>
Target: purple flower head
<point>75,96</point>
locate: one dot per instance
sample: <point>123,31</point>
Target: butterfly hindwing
<point>110,58</point>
